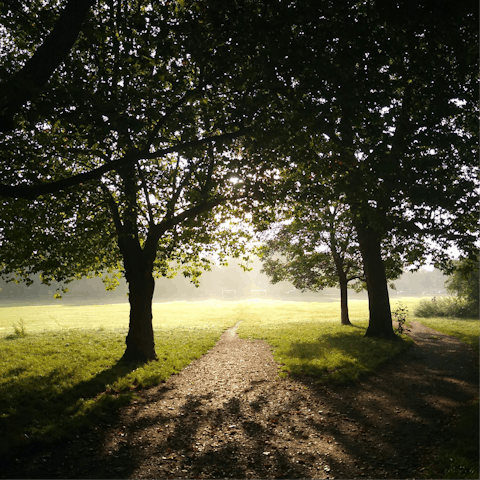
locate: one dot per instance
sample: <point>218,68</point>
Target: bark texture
<point>140,340</point>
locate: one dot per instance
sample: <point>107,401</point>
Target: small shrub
<point>446,307</point>
<point>400,315</point>
<point>19,329</point>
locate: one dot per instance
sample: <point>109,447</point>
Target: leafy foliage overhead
<point>318,248</point>
<point>464,281</point>
<point>380,104</point>
<point>31,27</point>
<point>131,142</point>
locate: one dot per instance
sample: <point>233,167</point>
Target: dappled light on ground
<point>229,415</point>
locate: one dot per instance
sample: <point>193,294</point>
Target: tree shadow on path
<point>265,427</point>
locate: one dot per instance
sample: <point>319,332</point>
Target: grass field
<point>309,339</point>
<point>59,368</point>
<point>60,317</point>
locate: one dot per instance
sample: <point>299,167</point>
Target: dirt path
<point>229,415</point>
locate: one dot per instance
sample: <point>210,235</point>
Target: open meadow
<point>59,368</point>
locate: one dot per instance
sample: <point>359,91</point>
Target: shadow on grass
<point>36,412</point>
<point>335,429</point>
<point>340,357</point>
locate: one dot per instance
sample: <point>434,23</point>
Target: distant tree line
<point>231,277</point>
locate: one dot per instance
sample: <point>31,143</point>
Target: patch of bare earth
<point>229,415</point>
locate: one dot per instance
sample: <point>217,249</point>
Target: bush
<point>464,280</point>
<point>446,307</point>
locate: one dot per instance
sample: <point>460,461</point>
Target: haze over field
<point>229,283</point>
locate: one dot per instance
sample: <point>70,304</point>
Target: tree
<point>314,252</point>
<point>379,99</point>
<point>380,102</point>
<point>464,282</point>
<point>28,82</point>
<point>319,249</point>
<point>143,110</point>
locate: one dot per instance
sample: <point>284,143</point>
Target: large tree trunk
<point>380,321</point>
<point>140,341</point>
<point>138,265</point>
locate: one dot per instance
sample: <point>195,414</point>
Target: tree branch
<point>27,83</point>
<point>358,277</point>
<point>168,223</point>
<point>113,209</point>
<point>177,191</point>
<point>147,196</point>
<point>31,192</point>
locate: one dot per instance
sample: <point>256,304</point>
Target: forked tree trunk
<point>140,340</point>
<point>380,316</point>
<point>138,266</point>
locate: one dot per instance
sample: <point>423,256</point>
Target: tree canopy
<point>315,251</point>
<point>143,111</point>
<point>380,109</point>
<point>318,248</point>
<point>18,87</point>
<point>158,122</point>
<point>464,282</point>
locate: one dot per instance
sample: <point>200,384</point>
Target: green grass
<point>55,379</point>
<point>307,339</point>
<point>60,317</point>
<point>459,457</point>
<point>59,369</point>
